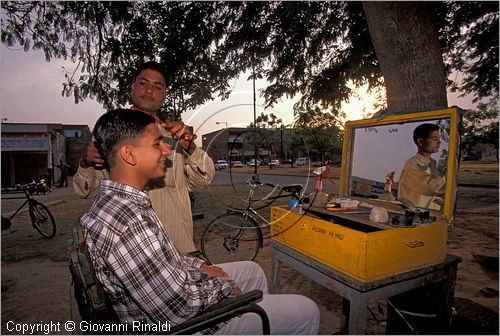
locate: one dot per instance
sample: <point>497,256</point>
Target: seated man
<point>420,185</point>
<point>146,277</point>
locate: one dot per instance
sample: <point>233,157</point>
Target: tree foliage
<point>318,135</point>
<point>308,48</point>
<point>313,49</point>
<point>267,121</point>
<point>108,40</point>
<point>480,126</point>
<point>469,35</point>
<point>315,134</point>
<point>265,134</point>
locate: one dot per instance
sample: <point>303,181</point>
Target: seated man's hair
<point>423,131</point>
<point>117,127</point>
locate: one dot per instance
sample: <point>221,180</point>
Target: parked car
<point>302,161</point>
<point>336,160</point>
<point>236,164</point>
<point>274,163</point>
<point>221,164</point>
<point>288,161</point>
<point>471,156</point>
<point>251,163</point>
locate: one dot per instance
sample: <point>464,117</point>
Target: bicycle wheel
<point>42,219</point>
<point>231,237</point>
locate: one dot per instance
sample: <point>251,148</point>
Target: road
<point>221,177</point>
<point>224,177</point>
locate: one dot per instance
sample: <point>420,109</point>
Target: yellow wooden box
<point>364,256</point>
<point>367,251</point>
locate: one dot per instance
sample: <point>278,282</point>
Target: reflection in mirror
<point>381,152</point>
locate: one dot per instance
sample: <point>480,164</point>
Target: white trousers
<point>289,314</point>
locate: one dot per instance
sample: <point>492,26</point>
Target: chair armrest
<point>234,302</point>
<point>223,311</point>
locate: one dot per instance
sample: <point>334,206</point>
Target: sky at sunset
<point>31,92</point>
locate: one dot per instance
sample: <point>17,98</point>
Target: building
<point>34,150</point>
<point>225,143</point>
<point>229,144</point>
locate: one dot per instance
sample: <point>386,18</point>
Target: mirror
<point>376,150</point>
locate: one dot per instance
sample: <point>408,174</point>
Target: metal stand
<point>358,295</point>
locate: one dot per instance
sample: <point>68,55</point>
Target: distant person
<point>48,178</point>
<point>420,185</point>
<point>63,180</point>
<point>145,276</point>
<point>190,167</point>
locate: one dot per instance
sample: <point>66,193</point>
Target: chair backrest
<point>93,302</point>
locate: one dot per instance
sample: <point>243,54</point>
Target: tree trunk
<point>407,46</point>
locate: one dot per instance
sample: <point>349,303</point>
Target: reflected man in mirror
<point>420,185</point>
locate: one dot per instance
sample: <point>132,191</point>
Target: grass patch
<point>22,241</point>
<point>478,173</point>
<point>470,172</point>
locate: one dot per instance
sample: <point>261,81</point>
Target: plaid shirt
<point>145,276</point>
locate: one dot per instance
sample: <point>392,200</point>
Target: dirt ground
<point>36,282</point>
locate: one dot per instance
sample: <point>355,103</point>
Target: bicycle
<point>41,218</point>
<point>237,231</point>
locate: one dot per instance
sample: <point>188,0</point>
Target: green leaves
<point>469,33</point>
<point>481,126</point>
<point>311,48</point>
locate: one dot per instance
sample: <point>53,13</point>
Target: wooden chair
<point>94,304</point>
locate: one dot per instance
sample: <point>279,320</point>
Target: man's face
<point>431,143</point>
<point>151,153</point>
<point>149,90</point>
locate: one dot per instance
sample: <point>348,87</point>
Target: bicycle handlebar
<point>254,183</point>
<point>294,189</point>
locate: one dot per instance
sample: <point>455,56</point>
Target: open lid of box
<point>376,150</point>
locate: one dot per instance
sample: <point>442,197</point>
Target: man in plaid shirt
<point>146,277</point>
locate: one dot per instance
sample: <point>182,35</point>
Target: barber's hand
<point>92,156</point>
<point>187,142</point>
<point>214,271</point>
<point>181,134</point>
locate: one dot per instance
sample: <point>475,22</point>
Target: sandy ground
<point>36,289</point>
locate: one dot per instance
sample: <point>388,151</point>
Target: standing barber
<point>189,166</point>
